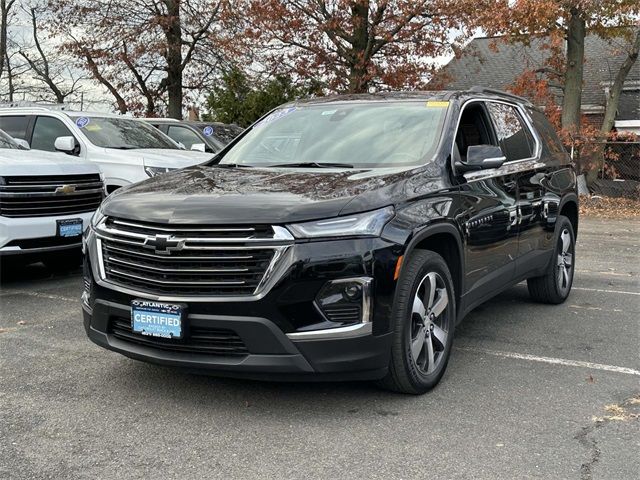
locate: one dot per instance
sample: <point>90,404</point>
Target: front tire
<point>423,323</point>
<point>555,285</point>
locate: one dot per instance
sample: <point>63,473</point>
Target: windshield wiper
<point>311,165</point>
<point>233,165</point>
<point>124,147</point>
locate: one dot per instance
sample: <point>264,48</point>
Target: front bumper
<point>273,356</point>
<point>284,335</point>
<point>36,235</point>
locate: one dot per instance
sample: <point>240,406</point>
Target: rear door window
<point>514,137</point>
<point>15,126</point>
<point>45,132</point>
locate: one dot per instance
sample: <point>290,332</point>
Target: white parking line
<point>605,291</point>
<point>552,360</point>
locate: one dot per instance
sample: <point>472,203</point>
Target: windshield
<point>122,133</point>
<point>7,142</point>
<point>224,133</point>
<point>362,135</point>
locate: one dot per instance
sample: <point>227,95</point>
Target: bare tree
<point>46,65</point>
<point>5,10</point>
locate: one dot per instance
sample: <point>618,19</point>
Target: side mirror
<point>198,147</point>
<point>480,157</point>
<point>23,143</point>
<point>65,144</point>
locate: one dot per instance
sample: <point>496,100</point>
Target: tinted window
<point>122,133</point>
<point>546,132</point>
<point>184,135</point>
<point>365,135</point>
<point>45,132</point>
<point>513,136</point>
<point>15,126</point>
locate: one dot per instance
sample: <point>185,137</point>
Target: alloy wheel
<point>429,323</point>
<point>564,261</point>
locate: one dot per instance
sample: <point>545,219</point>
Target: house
<point>494,63</point>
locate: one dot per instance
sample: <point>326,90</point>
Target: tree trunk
<point>4,17</point>
<point>358,79</point>
<point>613,99</point>
<point>173,33</point>
<point>573,75</point>
<point>12,88</point>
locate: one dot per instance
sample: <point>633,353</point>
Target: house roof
<point>495,63</point>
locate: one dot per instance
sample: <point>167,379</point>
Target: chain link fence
<point>611,168</point>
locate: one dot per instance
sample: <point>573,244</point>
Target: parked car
<point>127,150</point>
<point>208,137</point>
<point>338,238</point>
<point>46,203</point>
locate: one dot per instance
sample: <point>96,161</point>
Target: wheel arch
<point>444,239</point>
<point>569,208</point>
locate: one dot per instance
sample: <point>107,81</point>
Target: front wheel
<point>423,322</point>
<point>554,286</point>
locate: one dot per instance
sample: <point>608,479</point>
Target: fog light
<point>346,300</point>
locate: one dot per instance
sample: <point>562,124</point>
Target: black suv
<point>336,238</point>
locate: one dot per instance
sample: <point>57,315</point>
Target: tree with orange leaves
<point>565,24</point>
<point>352,45</point>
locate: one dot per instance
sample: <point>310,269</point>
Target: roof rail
<point>479,89</point>
<point>34,105</point>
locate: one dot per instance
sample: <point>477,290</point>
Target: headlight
<point>97,217</point>
<point>153,171</point>
<point>367,224</point>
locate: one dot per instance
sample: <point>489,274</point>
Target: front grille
<point>216,341</point>
<point>199,261</point>
<point>51,195</point>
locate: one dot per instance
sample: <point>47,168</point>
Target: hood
<point>159,157</point>
<point>38,162</point>
<point>219,195</point>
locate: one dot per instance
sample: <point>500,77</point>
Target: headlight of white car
<point>153,171</point>
<point>361,224</point>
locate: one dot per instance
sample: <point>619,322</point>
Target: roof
<point>496,63</point>
<point>32,110</point>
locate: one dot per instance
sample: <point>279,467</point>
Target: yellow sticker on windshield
<point>92,127</point>
<point>437,103</point>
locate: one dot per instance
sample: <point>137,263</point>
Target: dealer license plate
<point>157,319</point>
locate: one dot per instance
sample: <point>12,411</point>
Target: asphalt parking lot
<point>532,391</point>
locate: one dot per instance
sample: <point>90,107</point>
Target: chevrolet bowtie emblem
<point>164,244</point>
<point>66,189</point>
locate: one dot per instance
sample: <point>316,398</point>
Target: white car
<point>46,203</point>
<point>127,150</point>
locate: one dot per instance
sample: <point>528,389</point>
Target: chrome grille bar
<point>202,263</point>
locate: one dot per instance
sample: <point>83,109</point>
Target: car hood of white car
<point>38,162</point>
<point>163,157</point>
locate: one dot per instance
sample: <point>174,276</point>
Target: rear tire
<point>63,262</point>
<point>423,322</point>
<point>555,285</point>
